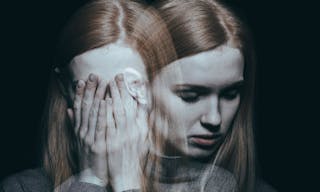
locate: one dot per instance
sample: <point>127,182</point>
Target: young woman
<point>95,126</point>
<point>203,103</point>
<point>201,111</point>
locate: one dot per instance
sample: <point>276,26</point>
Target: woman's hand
<point>89,120</point>
<point>126,137</point>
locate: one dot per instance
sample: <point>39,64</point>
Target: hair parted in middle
<point>96,24</point>
<point>202,25</point>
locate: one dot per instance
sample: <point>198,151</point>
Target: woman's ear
<point>136,85</point>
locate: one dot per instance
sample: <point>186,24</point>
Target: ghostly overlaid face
<point>106,62</point>
<point>197,98</point>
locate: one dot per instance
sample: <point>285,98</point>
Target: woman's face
<point>106,62</point>
<point>197,98</point>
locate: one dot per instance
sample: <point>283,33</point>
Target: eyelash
<point>230,95</point>
<point>188,96</point>
<point>192,97</point>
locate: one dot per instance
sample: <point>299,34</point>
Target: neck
<point>167,168</point>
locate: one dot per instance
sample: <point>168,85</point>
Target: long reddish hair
<point>94,25</point>
<point>202,25</point>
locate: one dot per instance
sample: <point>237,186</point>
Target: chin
<point>198,153</point>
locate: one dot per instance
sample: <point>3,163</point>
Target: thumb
<point>70,116</point>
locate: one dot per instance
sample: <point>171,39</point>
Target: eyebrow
<point>234,85</point>
<point>205,89</point>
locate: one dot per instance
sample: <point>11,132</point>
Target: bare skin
<point>111,131</point>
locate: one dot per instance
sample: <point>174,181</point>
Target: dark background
<point>284,34</point>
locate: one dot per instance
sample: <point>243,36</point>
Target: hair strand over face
<point>206,25</point>
<point>96,24</point>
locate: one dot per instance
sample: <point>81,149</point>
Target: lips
<point>204,140</point>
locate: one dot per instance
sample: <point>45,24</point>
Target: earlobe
<point>136,85</point>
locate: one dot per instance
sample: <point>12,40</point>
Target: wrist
<point>87,176</point>
<point>125,183</point>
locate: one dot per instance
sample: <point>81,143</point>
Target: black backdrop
<point>283,32</point>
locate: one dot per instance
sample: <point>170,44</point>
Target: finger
<point>128,102</point>
<point>93,118</point>
<point>100,133</point>
<point>87,102</point>
<point>118,110</point>
<point>124,94</point>
<point>70,116</point>
<point>142,121</point>
<point>111,129</point>
<point>77,104</point>
<point>101,90</point>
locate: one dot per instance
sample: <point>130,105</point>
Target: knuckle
<point>93,112</point>
<point>79,90</point>
<point>101,114</point>
<point>122,85</point>
<point>82,133</point>
<point>100,93</point>
<point>88,140</point>
<point>91,85</point>
<point>85,104</point>
<point>101,147</point>
<point>119,78</point>
<point>110,126</point>
<point>96,102</point>
<point>120,112</point>
<point>94,149</point>
<point>76,126</point>
<point>99,129</point>
<point>76,106</point>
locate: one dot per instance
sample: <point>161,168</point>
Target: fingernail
<point>69,110</point>
<point>119,77</point>
<point>92,78</point>
<point>80,83</point>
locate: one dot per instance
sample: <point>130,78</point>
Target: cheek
<point>170,109</point>
<point>228,111</point>
<point>193,112</point>
<point>166,102</point>
<point>183,116</point>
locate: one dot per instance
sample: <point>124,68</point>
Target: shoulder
<point>223,180</point>
<point>262,186</point>
<point>35,180</point>
<point>220,180</point>
<point>28,180</point>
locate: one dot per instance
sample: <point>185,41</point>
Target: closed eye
<point>231,94</point>
<point>188,96</point>
<point>190,93</point>
<point>232,91</point>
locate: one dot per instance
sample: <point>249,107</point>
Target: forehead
<point>106,62</point>
<point>222,65</point>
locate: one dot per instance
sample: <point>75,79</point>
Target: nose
<point>211,119</point>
